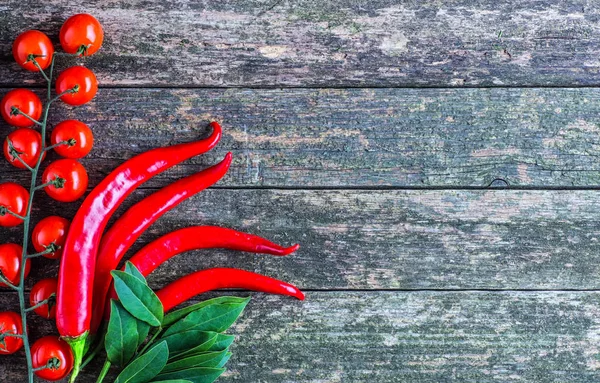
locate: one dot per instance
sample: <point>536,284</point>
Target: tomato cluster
<point>64,180</point>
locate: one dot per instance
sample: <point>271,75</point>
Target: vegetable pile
<point>101,309</point>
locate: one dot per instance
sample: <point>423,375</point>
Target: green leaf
<point>222,343</point>
<point>224,360</point>
<point>172,381</point>
<point>204,359</point>
<point>132,270</point>
<point>138,298</point>
<point>177,315</point>
<point>146,367</point>
<point>216,318</point>
<point>143,329</point>
<point>195,375</point>
<point>122,336</point>
<point>190,340</point>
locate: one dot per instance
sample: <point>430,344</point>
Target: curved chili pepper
<point>202,237</point>
<point>203,281</point>
<point>128,228</point>
<point>194,238</point>
<point>76,274</point>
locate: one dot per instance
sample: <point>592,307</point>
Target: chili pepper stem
<point>104,371</point>
<point>78,347</point>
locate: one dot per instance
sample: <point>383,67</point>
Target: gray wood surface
<point>412,337</point>
<point>356,137</point>
<point>393,239</point>
<point>327,43</point>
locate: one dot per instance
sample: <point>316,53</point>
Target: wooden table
<point>438,162</point>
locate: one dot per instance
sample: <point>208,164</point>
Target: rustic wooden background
<point>438,162</point>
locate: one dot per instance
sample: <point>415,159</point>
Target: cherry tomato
<point>73,129</point>
<point>42,291</point>
<point>15,198</point>
<point>28,144</point>
<point>74,175</point>
<point>10,263</point>
<point>26,101</point>
<point>82,30</point>
<point>77,76</point>
<point>10,323</point>
<point>50,230</point>
<point>34,43</point>
<point>56,354</point>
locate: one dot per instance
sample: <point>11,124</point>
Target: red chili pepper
<point>194,238</point>
<point>220,278</point>
<point>76,274</point>
<point>202,237</point>
<point>128,228</point>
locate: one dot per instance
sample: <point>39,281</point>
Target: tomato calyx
<point>7,334</point>
<point>14,153</point>
<point>52,364</point>
<point>57,182</point>
<point>32,57</point>
<point>83,49</point>
<point>52,248</point>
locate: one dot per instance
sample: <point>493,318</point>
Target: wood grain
<point>325,43</point>
<point>356,137</point>
<point>392,239</point>
<point>409,337</point>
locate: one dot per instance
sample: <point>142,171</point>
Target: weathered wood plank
<point>326,43</point>
<point>409,337</point>
<point>356,137</point>
<point>394,239</point>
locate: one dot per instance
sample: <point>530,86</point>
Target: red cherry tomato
<point>55,354</point>
<point>26,101</point>
<point>34,43</point>
<point>42,291</point>
<point>50,230</point>
<point>15,198</point>
<point>10,323</point>
<point>77,76</point>
<point>28,144</point>
<point>73,129</point>
<point>82,30</point>
<point>75,180</point>
<point>10,263</point>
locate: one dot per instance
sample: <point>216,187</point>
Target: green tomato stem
<point>27,223</point>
